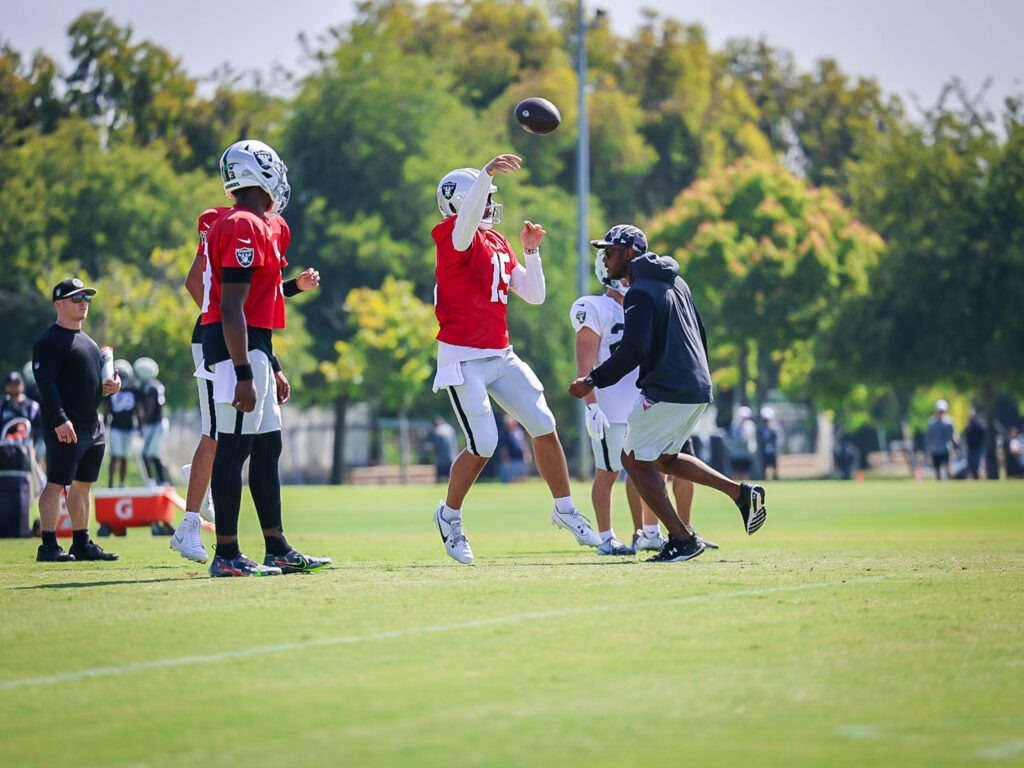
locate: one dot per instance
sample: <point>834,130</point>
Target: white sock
<point>564,504</point>
<point>191,516</point>
<point>451,515</point>
<point>607,535</point>
<point>650,531</point>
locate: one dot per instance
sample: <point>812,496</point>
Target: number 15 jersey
<point>471,295</point>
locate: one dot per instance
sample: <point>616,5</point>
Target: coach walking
<point>68,365</point>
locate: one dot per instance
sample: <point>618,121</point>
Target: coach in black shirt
<point>665,337</point>
<point>67,368</point>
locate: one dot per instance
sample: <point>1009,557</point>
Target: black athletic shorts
<point>939,460</point>
<point>688,447</point>
<point>75,461</point>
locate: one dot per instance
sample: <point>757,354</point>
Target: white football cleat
<point>642,541</point>
<point>578,526</point>
<point>454,537</point>
<point>188,543</point>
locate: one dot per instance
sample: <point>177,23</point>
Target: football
<point>538,115</point>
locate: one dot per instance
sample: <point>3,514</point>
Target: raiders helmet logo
<point>581,315</point>
<point>202,237</point>
<point>244,256</point>
<point>264,158</point>
<point>227,171</point>
<point>448,189</point>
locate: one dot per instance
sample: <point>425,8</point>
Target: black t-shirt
<point>151,401</point>
<point>122,409</point>
<point>67,368</point>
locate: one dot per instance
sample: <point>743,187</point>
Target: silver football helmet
<point>452,190</point>
<point>602,274</point>
<point>251,163</point>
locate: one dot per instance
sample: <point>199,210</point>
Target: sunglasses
<point>78,298</point>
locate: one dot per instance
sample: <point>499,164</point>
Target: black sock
<point>49,538</point>
<point>228,551</point>
<point>226,480</point>
<point>265,480</point>
<point>80,538</point>
<point>277,545</point>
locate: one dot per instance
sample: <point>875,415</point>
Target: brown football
<point>538,115</point>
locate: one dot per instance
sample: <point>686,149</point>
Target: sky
<point>912,47</point>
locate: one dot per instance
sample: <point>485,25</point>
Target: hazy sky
<point>910,46</point>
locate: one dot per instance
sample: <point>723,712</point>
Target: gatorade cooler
<point>121,508</point>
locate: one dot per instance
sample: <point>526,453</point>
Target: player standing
<point>476,269</point>
<point>244,304</point>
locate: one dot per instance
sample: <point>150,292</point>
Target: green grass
<point>867,624</point>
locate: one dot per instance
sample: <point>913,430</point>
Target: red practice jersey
<point>242,238</point>
<point>472,288</point>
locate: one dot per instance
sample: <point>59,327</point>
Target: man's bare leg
<point>550,458</point>
<point>465,470</point>
<point>199,475</point>
<point>601,497</point>
<point>651,484</point>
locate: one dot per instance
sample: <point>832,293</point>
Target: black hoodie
<point>663,335</point>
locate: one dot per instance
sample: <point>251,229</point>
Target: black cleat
<point>92,551</point>
<point>708,544</point>
<point>54,554</point>
<point>675,551</point>
<point>240,566</point>
<point>296,562</point>
<point>751,504</point>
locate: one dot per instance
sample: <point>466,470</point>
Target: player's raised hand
<point>503,164</point>
<point>308,280</point>
<point>531,235</point>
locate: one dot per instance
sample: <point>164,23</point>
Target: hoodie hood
<point>650,264</point>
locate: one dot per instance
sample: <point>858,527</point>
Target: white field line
<point>263,650</point>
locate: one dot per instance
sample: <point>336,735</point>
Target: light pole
<point>582,197</point>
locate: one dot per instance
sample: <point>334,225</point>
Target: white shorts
<point>153,439</point>
<point>655,429</point>
<point>120,441</point>
<point>608,452</point>
<point>513,385</point>
<point>207,408</point>
<point>266,417</point>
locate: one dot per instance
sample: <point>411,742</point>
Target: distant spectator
<point>444,447</point>
<point>974,438</point>
<point>768,442</point>
<point>1014,453</point>
<point>742,443</point>
<point>513,451</point>
<point>938,437</point>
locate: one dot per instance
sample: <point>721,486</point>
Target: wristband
<point>290,288</point>
<point>275,364</point>
<point>588,380</point>
<point>243,372</point>
<point>530,251</point>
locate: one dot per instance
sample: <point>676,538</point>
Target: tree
<point>769,260</point>
<point>389,357</point>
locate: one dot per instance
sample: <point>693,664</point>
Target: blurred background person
<point>768,439</point>
<point>151,398</point>
<point>444,447</point>
<point>939,437</point>
<point>974,441</point>
<point>513,451</point>
<point>121,411</point>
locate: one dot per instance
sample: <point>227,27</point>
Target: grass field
<point>867,624</point>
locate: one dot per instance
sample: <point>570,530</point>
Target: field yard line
<point>184,661</point>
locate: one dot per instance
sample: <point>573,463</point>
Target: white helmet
<point>124,369</point>
<point>251,163</point>
<point>602,274</point>
<point>146,368</point>
<point>452,190</point>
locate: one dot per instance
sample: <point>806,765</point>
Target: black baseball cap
<point>13,378</point>
<point>623,234</point>
<point>70,286</point>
